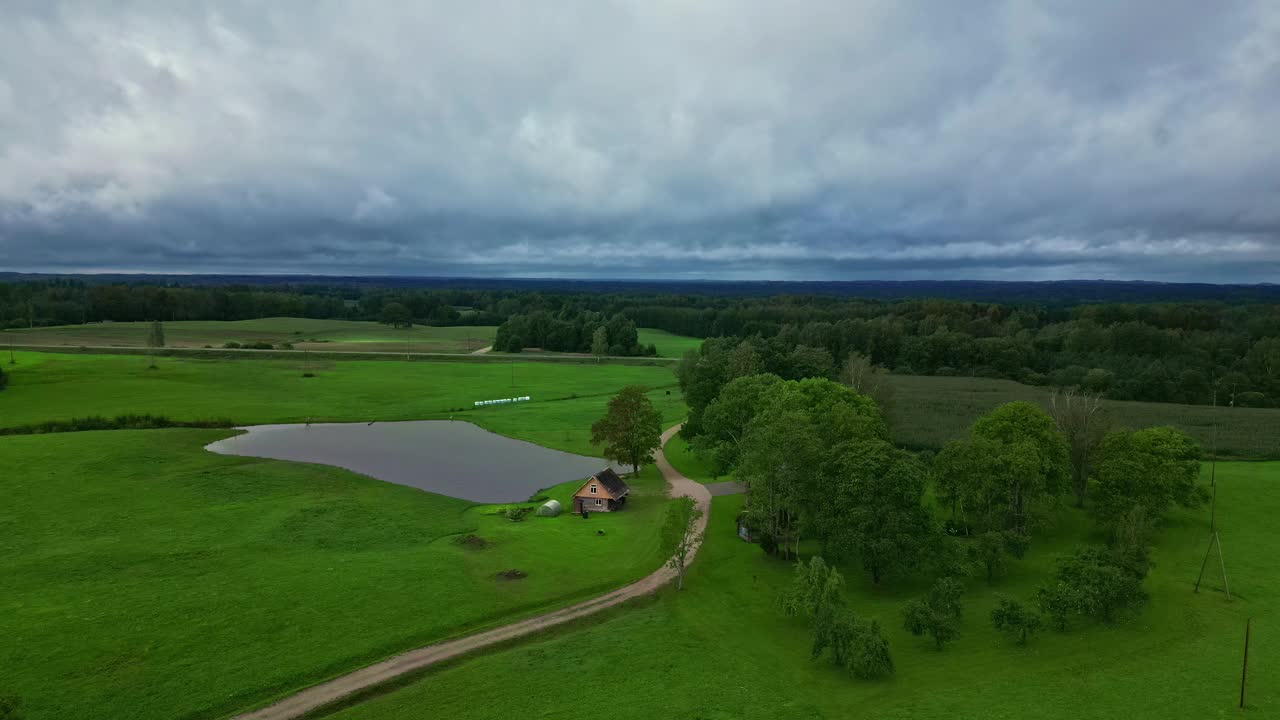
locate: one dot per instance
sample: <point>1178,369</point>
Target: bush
<point>233,345</point>
<point>285,346</point>
<point>257,346</point>
<point>4,379</point>
<point>937,614</point>
<point>856,645</point>
<point>517,514</point>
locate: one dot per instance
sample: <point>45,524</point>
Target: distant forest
<point>1178,347</point>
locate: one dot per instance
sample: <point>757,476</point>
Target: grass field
<point>926,412</point>
<point>304,333</point>
<point>147,578</point>
<point>719,649</point>
<point>566,398</point>
<point>668,345</point>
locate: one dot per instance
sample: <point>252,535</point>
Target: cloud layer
<point>656,138</point>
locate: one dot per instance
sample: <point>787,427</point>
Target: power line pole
<point>1244,668</point>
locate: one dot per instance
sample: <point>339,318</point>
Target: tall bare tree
<point>1083,421</point>
<point>867,378</point>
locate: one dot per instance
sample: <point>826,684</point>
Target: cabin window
<point>593,489</point>
<point>599,501</point>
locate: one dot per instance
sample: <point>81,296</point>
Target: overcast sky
<point>728,139</point>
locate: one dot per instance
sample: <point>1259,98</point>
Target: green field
<point>720,649</point>
<point>148,578</point>
<point>303,333</point>
<point>566,398</point>
<point>926,412</point>
<point>669,345</point>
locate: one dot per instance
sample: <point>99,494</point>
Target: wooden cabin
<point>602,492</point>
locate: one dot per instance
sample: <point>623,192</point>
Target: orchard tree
<point>1096,582</point>
<point>1083,422</point>
<point>631,428</point>
<point>990,550</point>
<point>1012,618</point>
<point>855,645</point>
<point>1154,469</point>
<point>937,614</point>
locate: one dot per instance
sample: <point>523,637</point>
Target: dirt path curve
<point>482,350</point>
<point>340,687</point>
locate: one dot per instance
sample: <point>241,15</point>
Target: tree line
<point>1191,352</point>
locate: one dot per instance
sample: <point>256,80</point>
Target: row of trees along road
<point>819,467</point>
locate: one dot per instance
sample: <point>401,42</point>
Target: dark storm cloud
<point>724,139</point>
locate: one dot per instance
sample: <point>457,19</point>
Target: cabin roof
<point>613,485</point>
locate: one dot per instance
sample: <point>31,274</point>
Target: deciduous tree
<point>631,428</point>
<point>937,614</point>
<point>1083,422</point>
<point>395,315</point>
<point>1012,618</point>
<point>1155,469</point>
<point>155,340</point>
<point>600,342</point>
<point>681,535</point>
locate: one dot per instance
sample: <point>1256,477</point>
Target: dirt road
<point>328,692</point>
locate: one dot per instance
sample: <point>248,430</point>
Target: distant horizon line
<point>605,278</point>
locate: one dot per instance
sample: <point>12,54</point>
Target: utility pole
<point>1244,668</point>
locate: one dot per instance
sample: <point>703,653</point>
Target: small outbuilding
<point>602,492</point>
<point>550,508</point>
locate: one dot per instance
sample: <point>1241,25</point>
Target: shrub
<point>937,614</point>
<point>119,422</point>
<point>4,379</point>
<point>285,346</point>
<point>512,574</point>
<point>257,346</point>
<point>233,345</point>
<point>856,645</point>
<point>517,514</point>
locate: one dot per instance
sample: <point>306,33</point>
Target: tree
<point>155,340</point>
<point>1029,462</point>
<point>1057,600</point>
<point>856,645</point>
<point>1012,618</point>
<point>1081,420</point>
<point>725,422</point>
<point>814,588</point>
<point>873,507</point>
<point>1096,582</point>
<point>937,614</point>
<point>681,534</point>
<point>990,549</point>
<point>395,315</point>
<point>1155,469</point>
<point>631,428</point>
<point>600,342</point>
<point>867,378</point>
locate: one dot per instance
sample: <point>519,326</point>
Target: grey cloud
<point>662,138</point>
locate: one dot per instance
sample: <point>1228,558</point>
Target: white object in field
<point>550,508</point>
<point>503,401</point>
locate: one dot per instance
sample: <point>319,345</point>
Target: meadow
<point>668,344</point>
<point>302,333</point>
<point>721,649</point>
<point>566,398</point>
<point>147,578</point>
<point>926,412</point>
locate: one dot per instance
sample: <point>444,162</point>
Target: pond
<point>450,458</point>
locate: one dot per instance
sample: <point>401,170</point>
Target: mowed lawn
<point>147,578</point>
<point>720,649</point>
<point>566,398</point>
<point>303,333</point>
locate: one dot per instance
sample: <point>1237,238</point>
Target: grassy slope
<point>303,332</point>
<point>683,458</point>
<point>49,386</point>
<point>720,650</point>
<point>146,578</point>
